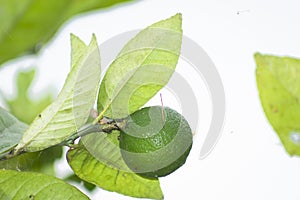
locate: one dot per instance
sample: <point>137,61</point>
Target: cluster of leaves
<point>28,18</point>
<point>278,81</point>
<point>141,69</point>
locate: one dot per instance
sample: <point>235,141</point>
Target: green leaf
<point>26,109</point>
<point>11,131</point>
<point>22,106</point>
<point>278,82</point>
<point>28,185</point>
<point>71,108</point>
<point>141,69</point>
<point>102,164</point>
<point>73,178</point>
<point>77,49</point>
<point>42,162</point>
<point>28,24</point>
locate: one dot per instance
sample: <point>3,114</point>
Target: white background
<point>248,161</point>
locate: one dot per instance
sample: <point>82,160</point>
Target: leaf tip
<point>177,19</point>
<point>257,55</point>
<point>178,15</point>
<point>76,42</point>
<point>94,37</point>
<point>172,23</point>
<point>93,41</point>
<point>73,37</point>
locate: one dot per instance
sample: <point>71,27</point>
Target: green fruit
<point>156,141</point>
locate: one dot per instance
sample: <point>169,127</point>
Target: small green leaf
<point>28,185</point>
<point>22,106</point>
<point>72,107</point>
<point>278,82</point>
<point>28,24</point>
<point>11,131</point>
<point>103,166</point>
<point>141,69</point>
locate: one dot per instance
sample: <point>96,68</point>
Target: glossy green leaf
<point>278,82</point>
<point>102,165</point>
<point>141,69</point>
<point>22,106</point>
<point>28,24</point>
<point>71,108</point>
<point>11,130</point>
<point>34,186</point>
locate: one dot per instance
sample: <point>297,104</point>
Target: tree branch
<point>105,125</point>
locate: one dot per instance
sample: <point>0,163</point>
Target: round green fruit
<point>155,141</point>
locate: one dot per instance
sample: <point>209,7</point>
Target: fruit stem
<point>101,115</point>
<point>105,125</point>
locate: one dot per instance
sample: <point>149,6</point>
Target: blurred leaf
<point>73,178</point>
<point>26,110</point>
<point>278,82</point>
<point>28,24</point>
<point>11,131</point>
<point>72,107</point>
<point>28,185</point>
<point>108,170</point>
<point>141,69</point>
<point>22,106</point>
